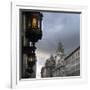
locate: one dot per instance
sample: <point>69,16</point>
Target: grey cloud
<point>64,27</point>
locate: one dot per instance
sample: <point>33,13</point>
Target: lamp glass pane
<point>34,23</point>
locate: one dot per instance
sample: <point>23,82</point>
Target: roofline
<point>72,53</point>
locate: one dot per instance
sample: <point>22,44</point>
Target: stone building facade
<point>72,63</point>
<point>60,65</point>
<point>65,66</point>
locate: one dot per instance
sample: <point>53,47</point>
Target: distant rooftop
<point>72,52</point>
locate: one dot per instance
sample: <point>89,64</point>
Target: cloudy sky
<point>57,27</point>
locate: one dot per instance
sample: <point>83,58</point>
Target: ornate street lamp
<point>33,33</point>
